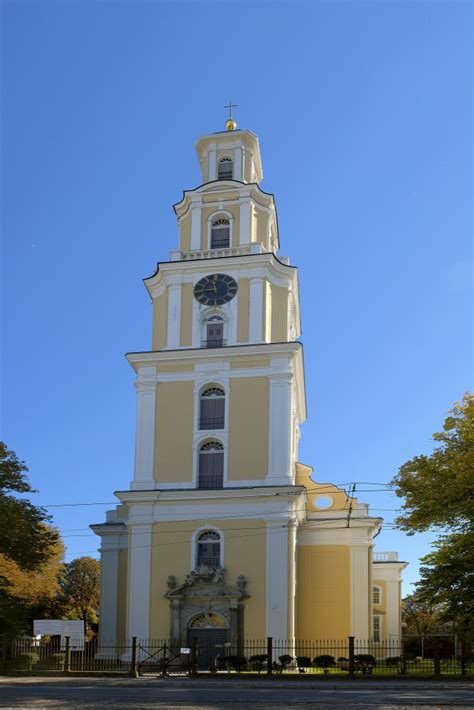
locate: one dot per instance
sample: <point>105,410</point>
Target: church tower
<point>222,531</point>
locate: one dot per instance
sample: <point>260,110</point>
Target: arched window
<point>208,549</point>
<point>225,168</point>
<point>220,233</point>
<point>211,408</point>
<point>211,465</point>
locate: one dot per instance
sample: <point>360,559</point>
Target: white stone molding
<point>276,621</point>
<point>256,310</point>
<point>280,464</point>
<point>194,538</point>
<point>109,561</point>
<point>145,386</point>
<point>196,225</point>
<point>244,237</point>
<point>292,529</point>
<point>140,541</point>
<point>360,592</point>
<point>212,164</point>
<point>174,313</point>
<point>268,311</point>
<point>238,163</point>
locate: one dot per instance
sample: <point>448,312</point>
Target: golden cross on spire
<point>230,124</point>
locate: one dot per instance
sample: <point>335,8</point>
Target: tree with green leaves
<point>438,492</point>
<point>30,549</point>
<point>80,585</point>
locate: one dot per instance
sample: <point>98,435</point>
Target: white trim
<point>276,611</point>
<point>245,235</point>
<point>196,225</point>
<point>238,175</point>
<point>194,536</point>
<point>145,386</point>
<point>139,575</point>
<point>256,310</point>
<point>212,158</point>
<point>174,316</point>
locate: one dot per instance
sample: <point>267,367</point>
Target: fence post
<point>193,659</point>
<point>133,668</point>
<point>4,653</point>
<point>437,664</point>
<point>67,656</point>
<point>351,656</point>
<point>269,655</point>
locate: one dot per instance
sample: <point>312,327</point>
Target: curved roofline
<point>211,182</point>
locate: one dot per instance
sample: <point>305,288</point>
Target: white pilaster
<point>140,537</point>
<point>196,226</point>
<point>280,465</point>
<point>276,621</point>
<point>292,580</point>
<point>109,556</point>
<point>256,310</point>
<point>145,386</point>
<point>244,237</point>
<point>174,313</point>
<point>212,164</point>
<point>361,628</point>
<point>238,163</point>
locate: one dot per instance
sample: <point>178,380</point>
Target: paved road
<point>112,695</point>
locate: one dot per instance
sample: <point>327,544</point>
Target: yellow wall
<point>248,424</point>
<point>186,314</point>
<point>243,311</point>
<point>171,555</point>
<point>323,592</point>
<point>279,314</point>
<point>160,321</point>
<point>185,232</point>
<point>174,425</point>
<point>122,595</point>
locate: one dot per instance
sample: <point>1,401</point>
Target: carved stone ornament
<point>206,581</point>
<point>241,582</point>
<point>171,582</point>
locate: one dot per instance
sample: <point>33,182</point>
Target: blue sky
<point>363,110</point>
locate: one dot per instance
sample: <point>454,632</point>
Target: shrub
<point>24,662</point>
<point>285,661</point>
<point>52,663</point>
<point>325,662</point>
<point>258,661</point>
<point>397,661</point>
<point>303,662</point>
<point>236,663</point>
<point>343,663</point>
<point>364,662</point>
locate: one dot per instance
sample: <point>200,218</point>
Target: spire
<point>230,124</point>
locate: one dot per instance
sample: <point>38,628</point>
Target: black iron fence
<point>349,657</point>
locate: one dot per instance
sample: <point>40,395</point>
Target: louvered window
<point>211,408</point>
<point>220,234</point>
<point>211,465</point>
<point>224,169</point>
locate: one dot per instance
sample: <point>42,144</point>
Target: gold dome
<point>230,124</point>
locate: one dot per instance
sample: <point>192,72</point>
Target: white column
<point>256,310</point>
<point>145,386</point>
<point>139,575</point>
<point>276,610</point>
<point>280,465</point>
<point>212,172</point>
<point>392,590</point>
<point>196,227</point>
<point>292,580</point>
<point>238,163</point>
<point>174,313</point>
<point>360,592</point>
<point>244,236</point>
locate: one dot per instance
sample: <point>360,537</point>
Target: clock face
<point>215,289</point>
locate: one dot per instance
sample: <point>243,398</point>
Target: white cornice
<point>251,190</point>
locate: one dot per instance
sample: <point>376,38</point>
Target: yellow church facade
<point>222,530</point>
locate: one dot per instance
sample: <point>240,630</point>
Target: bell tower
<point>218,513</point>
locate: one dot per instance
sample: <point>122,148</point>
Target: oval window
<point>323,502</point>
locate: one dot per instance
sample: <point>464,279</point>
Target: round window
<point>323,502</point>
